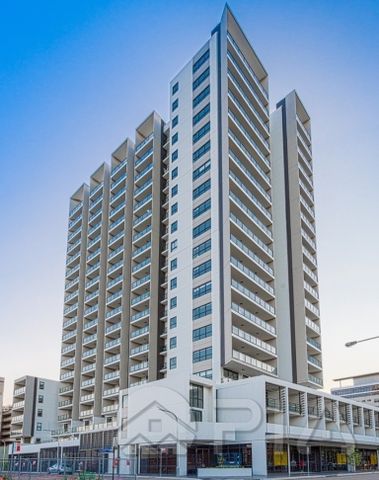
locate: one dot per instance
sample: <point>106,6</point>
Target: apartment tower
<point>297,297</point>
<point>170,257</point>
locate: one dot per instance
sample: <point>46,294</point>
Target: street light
<point>354,342</point>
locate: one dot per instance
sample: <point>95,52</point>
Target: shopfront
<point>292,459</point>
<point>158,459</point>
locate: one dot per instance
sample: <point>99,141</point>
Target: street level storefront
<point>289,458</point>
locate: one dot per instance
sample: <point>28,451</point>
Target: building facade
<point>361,388</point>
<point>34,409</point>
<point>296,276</point>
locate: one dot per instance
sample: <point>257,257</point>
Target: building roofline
<point>362,375</point>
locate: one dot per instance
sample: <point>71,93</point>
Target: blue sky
<point>77,77</point>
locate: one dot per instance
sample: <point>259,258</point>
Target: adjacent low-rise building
<point>361,388</point>
<point>34,409</point>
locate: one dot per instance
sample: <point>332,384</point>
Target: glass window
<point>202,269</point>
<point>174,191</point>
<point>39,427</point>
<point>204,187</point>
<point>173,322</point>
<point>173,302</point>
<point>202,311</point>
<point>196,396</point>
<point>202,228</point>
<point>175,104</point>
<point>202,355</point>
<point>200,61</point>
<point>40,398</point>
<point>203,207</point>
<point>204,373</point>
<point>174,138</point>
<point>174,173</point>
<point>173,283</point>
<point>199,98</point>
<point>172,363</point>
<point>174,245</point>
<point>41,385</point>
<point>200,79</point>
<point>202,290</point>
<point>203,113</point>
<point>201,151</point>
<point>196,415</point>
<point>175,121</point>
<point>201,333</point>
<point>175,88</point>
<point>202,248</point>
<point>174,156</point>
<point>173,342</point>
<point>174,208</point>
<point>174,226</point>
<point>174,264</point>
<point>201,132</point>
<point>205,167</point>
<point>39,412</point>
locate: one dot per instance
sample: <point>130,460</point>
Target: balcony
<point>143,217</point>
<point>143,172</point>
<point>92,282</point>
<point>139,350</point>
<point>114,296</point>
<point>314,361</point>
<point>94,254</point>
<point>116,237</point>
<point>69,335</point>
<point>114,281</point>
<point>113,328</point>
<point>90,310</point>
<point>119,208</point>
<point>139,266</point>
<point>87,398</point>
<point>118,182</point>
<point>140,315</point>
<point>251,217</point>
<point>112,343</point>
<point>113,359</point>
<point>314,343</point>
<point>253,362</point>
<point>115,266</point>
<point>90,339</point>
<point>142,202</point>
<point>246,315</point>
<point>114,253</point>
<point>142,188</point>
<point>144,142</point>
<point>312,325</point>
<point>137,236</point>
<point>112,375</point>
<point>311,308</point>
<point>268,309</point>
<point>119,167</point>
<point>139,367</point>
<point>110,408</point>
<point>91,324</point>
<point>89,353</point>
<point>295,408</point>
<point>88,383</point>
<point>247,251</point>
<point>70,322</point>
<point>86,413</point>
<point>140,298</point>
<point>89,368</point>
<point>114,312</point>
<point>116,223</point>
<point>91,296</point>
<point>142,281</point>
<point>253,341</point>
<point>138,333</point>
<point>75,209</point>
<point>110,392</point>
<point>241,268</point>
<point>118,195</point>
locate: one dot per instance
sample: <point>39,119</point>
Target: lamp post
<point>354,342</point>
<point>169,412</point>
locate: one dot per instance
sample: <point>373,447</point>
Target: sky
<point>76,78</point>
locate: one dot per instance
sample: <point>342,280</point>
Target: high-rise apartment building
<point>296,277</point>
<point>170,257</point>
<point>34,409</point>
<point>361,388</point>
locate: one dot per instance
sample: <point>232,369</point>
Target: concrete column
<point>181,459</point>
<point>259,452</point>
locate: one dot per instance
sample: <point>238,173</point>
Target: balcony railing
<point>236,308</point>
<point>253,362</point>
<point>253,340</point>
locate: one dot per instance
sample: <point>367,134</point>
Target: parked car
<point>60,469</point>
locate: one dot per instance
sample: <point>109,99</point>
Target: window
<point>174,245</point>
<point>173,302</point>
<point>174,264</point>
<point>230,374</point>
<point>174,173</point>
<point>201,269</point>
<point>200,61</point>
<point>202,248</point>
<point>196,415</point>
<point>39,412</point>
<point>204,187</point>
<point>203,112</point>
<point>205,167</point>
<point>172,363</point>
<point>174,156</point>
<point>173,342</point>
<point>204,373</point>
<point>199,98</point>
<point>174,138</point>
<point>201,311</point>
<point>173,322</point>
<point>202,290</point>
<point>174,191</point>
<point>40,398</point>
<point>201,151</point>
<point>202,355</point>
<point>174,226</point>
<point>202,228</point>
<point>41,385</point>
<point>201,333</point>
<point>173,283</point>
<point>200,79</point>
<point>175,121</point>
<point>39,427</point>
<point>174,208</point>
<point>196,396</point>
<point>175,88</point>
<point>200,133</point>
<point>175,104</point>
<point>203,207</point>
